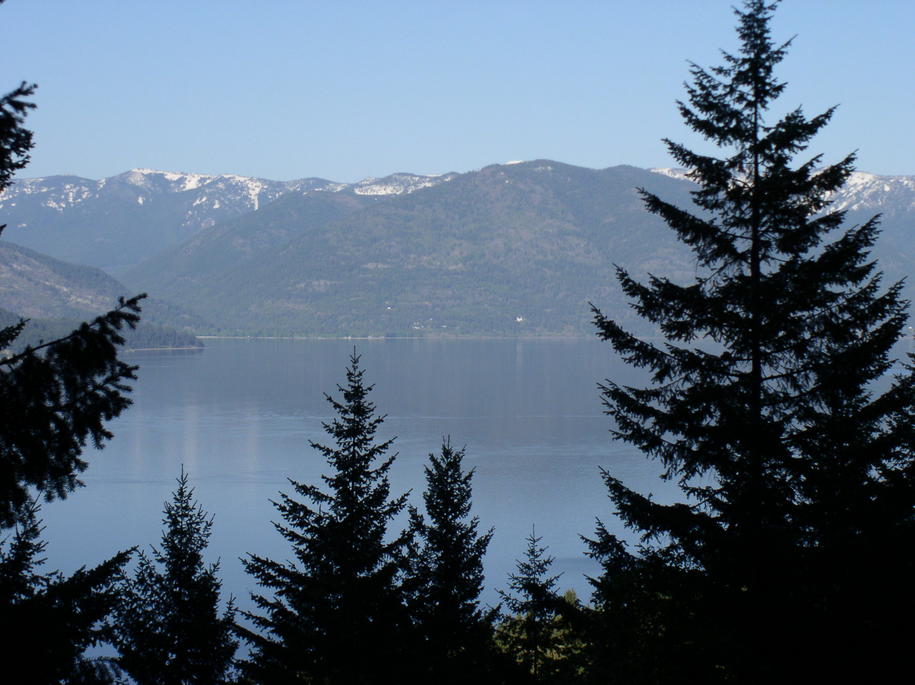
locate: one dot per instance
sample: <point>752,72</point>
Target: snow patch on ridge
<point>181,181</point>
<point>862,190</point>
<point>398,184</point>
<point>671,173</point>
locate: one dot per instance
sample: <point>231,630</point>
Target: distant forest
<point>144,337</point>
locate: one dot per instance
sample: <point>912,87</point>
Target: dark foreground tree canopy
<point>168,625</point>
<point>53,399</point>
<point>340,596</point>
<point>51,620</point>
<point>767,404</point>
<point>444,576</point>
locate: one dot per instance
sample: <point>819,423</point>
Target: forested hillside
<point>55,296</point>
<point>514,249</point>
<point>508,250</point>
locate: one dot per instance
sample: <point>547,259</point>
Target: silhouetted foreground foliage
<point>444,577</point>
<point>53,398</point>
<point>793,559</point>
<point>341,595</point>
<point>536,634</point>
<point>51,620</point>
<point>407,603</point>
<point>168,628</point>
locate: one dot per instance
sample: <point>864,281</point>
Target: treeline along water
<point>240,414</point>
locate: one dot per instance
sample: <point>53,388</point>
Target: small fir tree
<point>51,620</point>
<point>529,632</point>
<point>789,558</point>
<point>446,575</point>
<point>168,625</point>
<point>337,613</point>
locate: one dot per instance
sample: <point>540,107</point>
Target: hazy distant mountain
<point>509,249</point>
<point>116,222</point>
<point>56,296</point>
<point>518,248</point>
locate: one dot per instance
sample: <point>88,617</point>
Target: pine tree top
<point>341,587</point>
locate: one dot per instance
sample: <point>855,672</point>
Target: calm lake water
<point>239,416</point>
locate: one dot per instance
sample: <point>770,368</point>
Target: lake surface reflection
<point>239,416</point>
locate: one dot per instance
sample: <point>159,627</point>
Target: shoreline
<point>375,338</point>
<point>161,349</point>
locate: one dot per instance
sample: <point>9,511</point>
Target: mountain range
<point>116,222</point>
<point>518,248</point>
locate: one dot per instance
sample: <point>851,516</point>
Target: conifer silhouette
<point>788,556</point>
<point>336,613</point>
<point>446,575</point>
<point>54,397</point>
<point>168,625</point>
<point>528,634</point>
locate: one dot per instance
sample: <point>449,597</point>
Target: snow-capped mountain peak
<point>864,191</point>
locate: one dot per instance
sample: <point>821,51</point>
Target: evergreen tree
<point>792,549</point>
<point>53,398</point>
<point>50,619</point>
<point>337,614</point>
<point>529,633</point>
<point>168,626</point>
<point>56,395</point>
<point>15,138</point>
<point>446,569</point>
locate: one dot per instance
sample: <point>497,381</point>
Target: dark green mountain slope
<point>510,249</point>
<point>55,296</point>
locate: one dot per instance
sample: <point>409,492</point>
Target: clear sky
<point>343,90</point>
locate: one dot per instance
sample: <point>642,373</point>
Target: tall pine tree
<point>446,569</point>
<point>764,402</point>
<point>168,628</point>
<point>336,613</point>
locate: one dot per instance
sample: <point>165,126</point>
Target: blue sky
<point>344,90</point>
